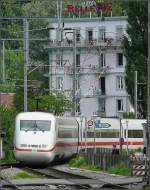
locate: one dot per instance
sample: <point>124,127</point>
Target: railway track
<point>51,178</point>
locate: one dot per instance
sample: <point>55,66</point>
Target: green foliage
<point>25,175</point>
<point>7,123</point>
<point>118,8</point>
<point>80,162</point>
<point>146,187</point>
<point>120,169</point>
<point>135,50</point>
<point>77,162</point>
<point>129,115</point>
<point>57,104</point>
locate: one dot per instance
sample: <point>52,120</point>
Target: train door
<point>81,122</point>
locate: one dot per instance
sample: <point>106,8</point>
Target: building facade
<point>87,64</point>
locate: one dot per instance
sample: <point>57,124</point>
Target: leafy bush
<point>77,162</point>
<point>80,162</point>
<point>7,123</point>
<point>120,169</point>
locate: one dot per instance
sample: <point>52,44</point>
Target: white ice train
<point>42,137</point>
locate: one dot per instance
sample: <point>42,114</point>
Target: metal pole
<point>0,75</point>
<point>120,141</point>
<point>94,136</point>
<point>85,135</point>
<point>26,61</point>
<point>1,148</point>
<point>127,137</point>
<point>81,121</point>
<point>135,93</point>
<point>50,68</point>
<point>59,13</point>
<point>74,72</point>
<point>148,95</point>
<point>3,63</point>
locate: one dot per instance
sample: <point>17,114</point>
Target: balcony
<point>84,43</point>
<point>91,94</point>
<point>89,69</point>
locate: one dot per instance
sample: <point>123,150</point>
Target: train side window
<point>108,134</point>
<point>135,134</point>
<point>67,133</point>
<point>102,134</point>
<point>88,134</point>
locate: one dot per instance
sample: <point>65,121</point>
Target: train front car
<point>34,138</point>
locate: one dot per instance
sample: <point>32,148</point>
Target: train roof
<point>133,123</point>
<point>35,115</point>
<point>43,116</point>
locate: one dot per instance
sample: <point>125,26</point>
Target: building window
<point>77,84</point>
<point>102,34</point>
<point>119,105</point>
<point>120,82</point>
<point>102,105</point>
<point>78,60</point>
<point>90,35</point>
<point>102,84</point>
<point>119,59</point>
<point>78,106</point>
<point>77,35</point>
<point>59,83</point>
<point>103,60</point>
<point>59,60</point>
<point>119,33</point>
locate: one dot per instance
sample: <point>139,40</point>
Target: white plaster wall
<point>89,58</point>
<point>89,106</point>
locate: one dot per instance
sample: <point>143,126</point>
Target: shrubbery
<point>120,169</point>
<point>7,124</point>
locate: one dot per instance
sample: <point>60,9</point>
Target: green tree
<point>135,50</point>
<point>7,123</point>
<point>11,29</point>
<point>57,104</point>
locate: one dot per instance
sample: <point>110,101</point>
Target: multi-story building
<point>88,64</point>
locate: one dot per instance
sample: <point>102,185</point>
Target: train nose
<point>34,157</point>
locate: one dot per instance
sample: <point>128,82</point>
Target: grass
<point>120,169</point>
<point>147,187</point>
<point>25,175</point>
<point>80,162</point>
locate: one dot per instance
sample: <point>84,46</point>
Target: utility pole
<point>3,63</point>
<point>135,93</point>
<point>50,67</point>
<point>148,95</point>
<point>26,61</point>
<point>59,13</point>
<point>74,72</point>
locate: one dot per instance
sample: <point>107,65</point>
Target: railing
<point>103,157</point>
<point>85,42</point>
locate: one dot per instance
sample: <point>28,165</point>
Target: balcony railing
<point>89,69</point>
<point>86,43</point>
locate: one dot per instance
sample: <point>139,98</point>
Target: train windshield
<point>35,125</point>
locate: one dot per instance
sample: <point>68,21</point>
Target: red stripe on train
<point>76,144</point>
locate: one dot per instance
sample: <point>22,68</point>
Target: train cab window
<point>35,125</point>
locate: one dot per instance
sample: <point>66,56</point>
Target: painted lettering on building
<point>90,6</point>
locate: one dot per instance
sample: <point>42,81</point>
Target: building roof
<point>92,19</point>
